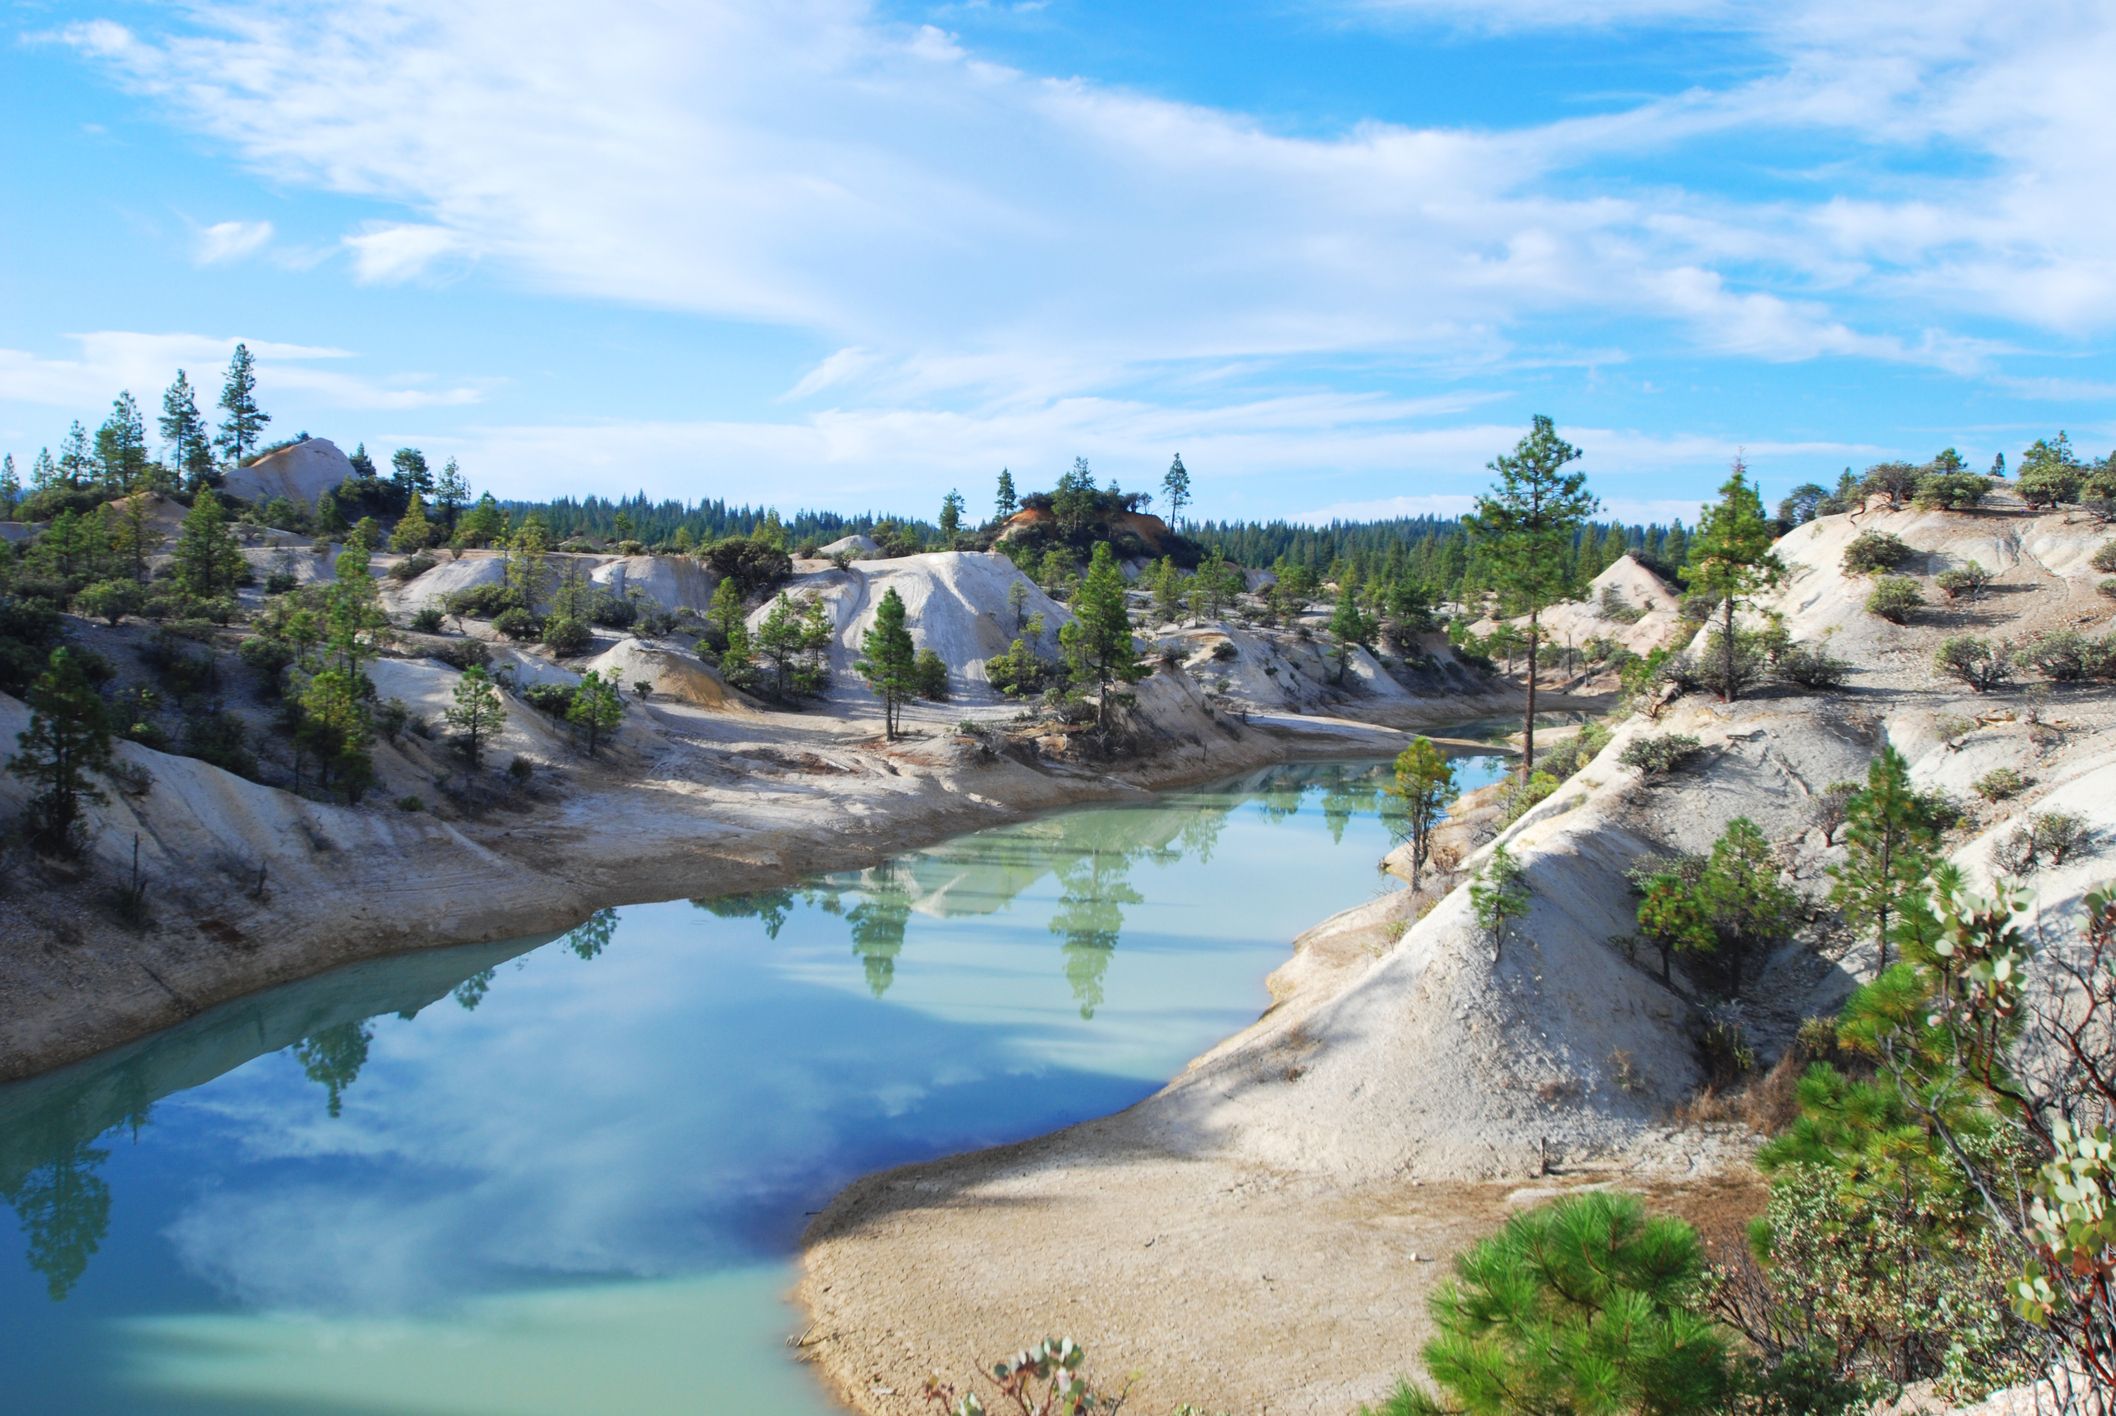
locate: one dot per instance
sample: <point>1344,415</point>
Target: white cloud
<point>390,253</point>
<point>109,360</point>
<point>226,241</point>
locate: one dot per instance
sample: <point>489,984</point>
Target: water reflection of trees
<point>63,1205</point>
<point>589,938</point>
<point>333,1058</point>
<point>878,923</point>
<point>1094,889</point>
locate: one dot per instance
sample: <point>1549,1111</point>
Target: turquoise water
<point>568,1175</point>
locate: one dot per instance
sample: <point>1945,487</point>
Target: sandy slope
<point>1245,1236</point>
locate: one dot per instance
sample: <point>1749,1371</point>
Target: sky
<point>855,253</point>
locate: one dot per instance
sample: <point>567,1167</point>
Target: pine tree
<point>1175,489</point>
<point>414,533</point>
<point>363,465</point>
<point>242,421</point>
<point>951,507</point>
<point>209,560</point>
<point>1168,591</point>
<point>184,430</point>
<point>10,487</point>
<point>1581,1305</point>
<point>1349,626</point>
<point>68,738</point>
<point>1425,780</point>
<point>477,712</point>
<point>76,463</point>
<point>1890,841</point>
<point>451,492</point>
<point>724,610</point>
<point>43,472</point>
<point>1731,557</point>
<point>528,577</point>
<point>1525,528</point>
<point>121,447</point>
<point>483,524</point>
<point>1006,501</point>
<point>411,474</point>
<point>598,707</point>
<point>889,660</point>
<point>1098,642</point>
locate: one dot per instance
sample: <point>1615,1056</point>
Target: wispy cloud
<point>390,253</point>
<point>227,241</point>
<point>109,360</point>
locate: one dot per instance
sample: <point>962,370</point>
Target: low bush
<point>428,620</point>
<point>2108,587</point>
<point>1965,581</point>
<point>2046,838</point>
<point>553,698</point>
<point>2105,557</point>
<point>1813,668</point>
<point>1872,551</point>
<point>565,635</point>
<point>930,672</point>
<point>485,602</point>
<point>280,581</point>
<point>2000,783</point>
<point>1977,662</point>
<point>517,624</point>
<point>1951,491</point>
<point>413,566</point>
<point>2067,656</point>
<point>1656,756</point>
<point>464,653</point>
<point>1895,598</point>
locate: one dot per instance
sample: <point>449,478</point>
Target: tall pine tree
<point>1731,557</point>
<point>242,421</point>
<point>190,446</point>
<point>1098,643</point>
<point>889,661</point>
<point>1524,529</point>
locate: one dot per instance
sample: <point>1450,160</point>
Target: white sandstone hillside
<point>300,472</point>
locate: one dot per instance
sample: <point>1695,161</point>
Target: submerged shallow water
<point>569,1175</point>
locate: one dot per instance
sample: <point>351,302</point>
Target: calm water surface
<point>568,1175</point>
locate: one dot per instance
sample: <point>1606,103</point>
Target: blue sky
<point>852,253</point>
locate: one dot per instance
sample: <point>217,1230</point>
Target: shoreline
<point>668,837</point>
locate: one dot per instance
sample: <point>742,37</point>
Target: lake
<point>569,1174</point>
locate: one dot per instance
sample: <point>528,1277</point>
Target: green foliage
<point>1951,491</point>
<point>1999,784</point>
<point>2050,473</point>
<point>111,600</point>
<point>1891,841</point>
<point>1729,905</point>
<point>793,642</point>
<point>413,531</point>
<point>1895,598</point>
<point>1657,756</point>
<point>565,635</point>
<point>242,421</point>
<point>1812,667</point>
<point>889,660</point>
<point>1499,897</point>
<point>2067,656</point>
<point>754,563</point>
<point>1897,481</point>
<point>1048,1379</point>
<point>208,559</point>
<point>477,713</point>
<point>1425,780</point>
<point>2105,557</point>
<point>1584,1305</point>
<point>1098,641</point>
<point>598,707</point>
<point>67,740</point>
<point>1965,581</point>
<point>931,673</point>
<point>1351,628</point>
<point>1977,662</point>
<point>1872,551</point>
<point>1730,560</point>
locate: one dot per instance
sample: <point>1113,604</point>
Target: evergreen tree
<point>1175,489</point>
<point>1584,1305</point>
<point>889,660</point>
<point>184,430</point>
<point>951,507</point>
<point>1731,557</point>
<point>528,577</point>
<point>1098,642</point>
<point>1168,591</point>
<point>1890,848</point>
<point>1349,626</point>
<point>724,611</point>
<point>477,712</point>
<point>410,470</point>
<point>1073,501</point>
<point>121,447</point>
<point>414,533</point>
<point>1006,501</point>
<point>1524,529</point>
<point>330,517</point>
<point>598,707</point>
<point>242,422</point>
<point>209,560</point>
<point>451,493</point>
<point>335,727</point>
<point>363,465</point>
<point>483,524</point>
<point>791,640</point>
<point>1425,780</point>
<point>76,462</point>
<point>43,472</point>
<point>10,487</point>
<point>68,738</point>
<point>129,532</point>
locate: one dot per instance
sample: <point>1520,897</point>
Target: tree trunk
<point>1726,694</point>
<point>1528,718</point>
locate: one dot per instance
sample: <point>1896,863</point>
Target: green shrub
<point>428,620</point>
<point>1656,756</point>
<point>464,653</point>
<point>111,600</point>
<point>1872,551</point>
<point>565,635</point>
<point>1951,491</point>
<point>280,581</point>
<point>1895,598</point>
<point>2067,656</point>
<point>1522,798</point>
<point>553,698</point>
<point>930,673</point>
<point>1814,668</point>
<point>2000,783</point>
<point>2105,557</point>
<point>485,602</point>
<point>413,566</point>
<point>1977,662</point>
<point>2108,587</point>
<point>1581,1305</point>
<point>1965,581</point>
<point>517,624</point>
